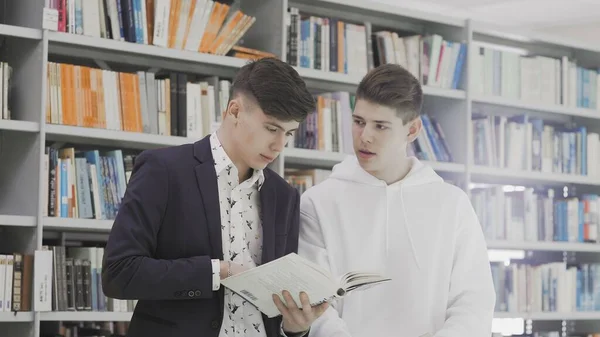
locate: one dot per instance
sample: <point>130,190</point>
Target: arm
<point>472,296</point>
<point>130,270</point>
<point>312,246</point>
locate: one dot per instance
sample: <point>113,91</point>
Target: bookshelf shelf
<point>528,177</point>
<point>99,136</point>
<point>540,107</point>
<point>66,44</point>
<point>298,156</point>
<point>551,316</point>
<point>87,316</point>
<point>23,126</point>
<point>18,317</point>
<point>20,32</point>
<point>77,225</point>
<point>441,92</point>
<point>550,246</point>
<point>17,221</point>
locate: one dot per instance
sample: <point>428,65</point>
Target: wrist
<point>291,333</point>
<point>225,269</point>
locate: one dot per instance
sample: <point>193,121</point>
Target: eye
<point>381,127</point>
<point>358,122</point>
<point>271,129</point>
<point>290,134</point>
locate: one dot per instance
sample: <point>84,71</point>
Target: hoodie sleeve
<point>472,295</point>
<point>312,246</point>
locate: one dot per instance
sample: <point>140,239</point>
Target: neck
<point>244,171</point>
<point>394,173</point>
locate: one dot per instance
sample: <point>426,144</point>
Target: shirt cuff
<point>299,334</point>
<point>216,274</point>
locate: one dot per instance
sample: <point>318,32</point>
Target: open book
<point>295,274</point>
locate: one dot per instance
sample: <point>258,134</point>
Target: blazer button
<point>191,293</point>
<point>198,293</point>
<point>214,324</point>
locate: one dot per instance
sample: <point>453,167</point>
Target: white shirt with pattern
<point>241,229</point>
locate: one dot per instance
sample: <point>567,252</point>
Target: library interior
<point>88,85</point>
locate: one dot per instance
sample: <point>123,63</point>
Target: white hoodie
<point>421,232</point>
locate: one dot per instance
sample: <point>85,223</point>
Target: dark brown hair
<point>276,87</point>
<point>393,86</point>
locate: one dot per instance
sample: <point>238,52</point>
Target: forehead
<point>372,111</point>
<point>260,116</point>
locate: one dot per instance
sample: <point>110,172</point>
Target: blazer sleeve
<point>129,269</point>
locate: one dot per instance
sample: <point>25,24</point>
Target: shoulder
<point>282,187</point>
<point>167,158</point>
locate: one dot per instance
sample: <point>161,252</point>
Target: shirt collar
<point>222,162</point>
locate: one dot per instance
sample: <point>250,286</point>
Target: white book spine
<point>2,281</point>
<point>161,22</point>
<point>42,280</point>
<point>8,282</point>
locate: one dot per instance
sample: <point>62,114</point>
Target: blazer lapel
<point>206,178</point>
<point>267,200</point>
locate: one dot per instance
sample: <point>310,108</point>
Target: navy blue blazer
<point>167,230</point>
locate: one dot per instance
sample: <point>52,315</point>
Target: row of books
<point>327,44</point>
<point>16,275</point>
<point>174,104</point>
<point>329,127</point>
<point>204,26</point>
<point>335,45</point>
<point>548,287</point>
<point>302,180</point>
<point>6,74</point>
<point>535,78</point>
<point>550,147</point>
<point>76,280</point>
<point>85,184</point>
<point>524,214</point>
<point>434,61</point>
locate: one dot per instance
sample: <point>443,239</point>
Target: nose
<point>279,143</point>
<point>366,135</point>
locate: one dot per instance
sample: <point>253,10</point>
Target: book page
<point>291,273</point>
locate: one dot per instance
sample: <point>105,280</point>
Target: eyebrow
<point>280,127</point>
<point>380,121</point>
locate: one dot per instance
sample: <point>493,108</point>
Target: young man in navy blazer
<point>197,213</point>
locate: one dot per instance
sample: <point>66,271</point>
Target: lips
<point>365,154</point>
<point>267,158</point>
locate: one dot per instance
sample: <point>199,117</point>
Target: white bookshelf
<point>29,48</point>
<point>82,316</point>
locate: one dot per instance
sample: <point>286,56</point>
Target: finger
<point>291,304</point>
<point>320,309</point>
<point>281,306</point>
<point>295,312</point>
<point>307,310</point>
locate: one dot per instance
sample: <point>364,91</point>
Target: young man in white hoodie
<point>383,211</point>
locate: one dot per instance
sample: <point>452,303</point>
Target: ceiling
<point>529,14</point>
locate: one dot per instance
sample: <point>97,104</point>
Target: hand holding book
<point>298,318</point>
<point>296,275</point>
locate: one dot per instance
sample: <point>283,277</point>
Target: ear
<point>414,129</point>
<point>233,108</point>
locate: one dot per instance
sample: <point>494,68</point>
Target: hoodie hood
<point>350,171</point>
